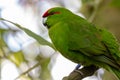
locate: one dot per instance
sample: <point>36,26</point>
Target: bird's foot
<point>77,69</point>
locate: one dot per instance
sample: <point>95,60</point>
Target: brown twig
<point>86,71</point>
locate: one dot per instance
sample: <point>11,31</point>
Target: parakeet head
<point>54,15</point>
<point>55,11</point>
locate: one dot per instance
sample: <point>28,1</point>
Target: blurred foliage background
<point>34,61</point>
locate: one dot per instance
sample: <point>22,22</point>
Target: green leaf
<point>41,40</point>
<point>115,3</point>
<point>87,1</point>
<point>2,30</point>
<point>2,46</point>
<point>17,57</point>
<point>2,43</point>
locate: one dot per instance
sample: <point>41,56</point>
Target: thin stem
<point>96,7</point>
<point>36,65</point>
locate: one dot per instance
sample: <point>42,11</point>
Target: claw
<point>81,73</point>
<point>77,69</point>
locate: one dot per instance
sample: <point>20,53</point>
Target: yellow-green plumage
<point>82,42</point>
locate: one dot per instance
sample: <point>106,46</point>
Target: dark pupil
<point>52,13</point>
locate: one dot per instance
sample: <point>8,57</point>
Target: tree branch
<point>86,71</point>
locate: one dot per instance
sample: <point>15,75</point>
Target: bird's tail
<point>115,71</point>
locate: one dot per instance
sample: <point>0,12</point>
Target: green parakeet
<point>82,42</point>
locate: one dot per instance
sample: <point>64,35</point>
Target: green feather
<point>82,42</point>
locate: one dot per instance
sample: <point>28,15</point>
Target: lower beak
<point>44,21</point>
